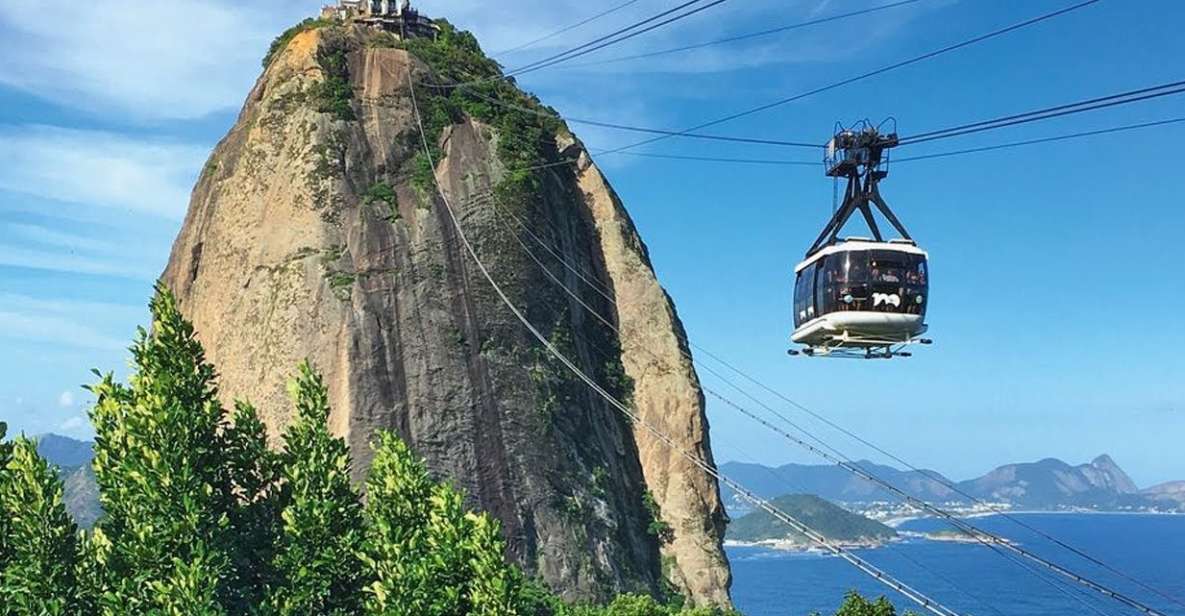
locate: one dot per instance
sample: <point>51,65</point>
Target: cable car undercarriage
<point>860,297</point>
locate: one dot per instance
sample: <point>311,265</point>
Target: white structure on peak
<point>394,16</point>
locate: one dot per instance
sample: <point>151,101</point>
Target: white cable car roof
<point>852,244</point>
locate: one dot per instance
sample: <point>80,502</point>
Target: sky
<point>1058,297</point>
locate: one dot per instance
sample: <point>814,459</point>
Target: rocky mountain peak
<point>315,231</point>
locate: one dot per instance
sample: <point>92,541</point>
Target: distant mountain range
<point>1049,484</point>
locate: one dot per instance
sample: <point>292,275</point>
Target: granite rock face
<point>307,236</point>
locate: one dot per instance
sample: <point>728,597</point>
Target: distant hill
<point>1046,484</point>
<point>64,451</point>
<point>831,521</point>
<point>1172,492</point>
<point>73,459</point>
<point>1052,483</point>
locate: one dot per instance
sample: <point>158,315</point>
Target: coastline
<point>896,522</point>
<point>942,536</point>
<point>796,546</point>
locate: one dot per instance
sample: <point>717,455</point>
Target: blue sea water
<point>973,579</point>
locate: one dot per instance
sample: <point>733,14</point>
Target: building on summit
<point>394,16</point>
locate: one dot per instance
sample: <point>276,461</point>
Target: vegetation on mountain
<point>526,128</point>
<point>202,518</point>
<point>286,36</point>
<point>828,519</point>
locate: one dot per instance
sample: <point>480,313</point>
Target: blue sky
<point>1057,269</point>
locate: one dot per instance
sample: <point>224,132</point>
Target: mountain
<point>81,494</point>
<point>831,521</point>
<point>1046,484</point>
<point>63,450</point>
<point>834,483</point>
<point>79,490</point>
<point>1171,493</point>
<point>1053,483</point>
<point>315,231</point>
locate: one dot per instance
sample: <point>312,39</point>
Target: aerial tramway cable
<point>1015,144</point>
<point>976,150</point>
<point>912,594</point>
<point>862,76</point>
<point>640,129</point>
<point>626,37</point>
<point>1150,90</point>
<point>1113,100</point>
<point>751,35</point>
<point>568,28</point>
<point>622,34</point>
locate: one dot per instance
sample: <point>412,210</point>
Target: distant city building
<point>394,16</point>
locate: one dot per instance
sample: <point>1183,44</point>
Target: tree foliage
<point>160,466</point>
<point>856,605</point>
<point>425,553</point>
<point>38,575</point>
<point>202,518</point>
<point>317,564</point>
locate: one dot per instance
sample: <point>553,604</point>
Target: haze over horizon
<point>1043,258</point>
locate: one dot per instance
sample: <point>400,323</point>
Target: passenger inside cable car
<point>861,280</point>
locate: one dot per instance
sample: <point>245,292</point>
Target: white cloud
<point>77,426</point>
<point>61,239</point>
<point>66,399</point>
<point>56,330</point>
<point>99,168</point>
<point>76,422</point>
<point>159,60</point>
<point>121,266</point>
<point>68,323</point>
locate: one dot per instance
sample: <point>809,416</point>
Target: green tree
<point>425,553</point>
<point>38,575</point>
<point>642,605</point>
<point>856,605</point>
<point>166,541</point>
<point>317,564</point>
<point>5,456</point>
<point>253,474</point>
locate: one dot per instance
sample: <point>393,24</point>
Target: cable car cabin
<point>861,297</point>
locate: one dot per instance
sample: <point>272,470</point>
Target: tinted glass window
<point>804,295</point>
<point>871,280</point>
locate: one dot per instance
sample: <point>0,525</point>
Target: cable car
<point>861,296</point>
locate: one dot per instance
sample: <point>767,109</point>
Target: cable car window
<point>804,295</point>
<point>832,281</point>
<point>888,267</point>
<point>858,267</point>
<point>916,286</point>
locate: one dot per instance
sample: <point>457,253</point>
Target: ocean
<point>973,579</point>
